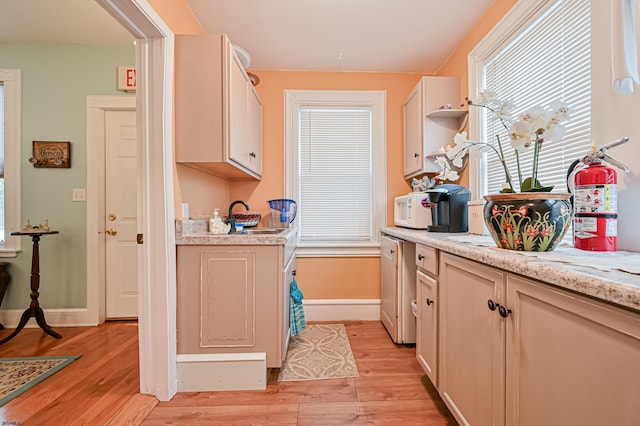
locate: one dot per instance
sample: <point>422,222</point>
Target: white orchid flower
<point>560,111</point>
<point>484,97</point>
<point>442,162</point>
<point>554,132</point>
<point>520,134</point>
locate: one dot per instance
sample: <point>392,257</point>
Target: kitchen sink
<point>262,231</point>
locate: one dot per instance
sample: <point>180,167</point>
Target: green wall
<point>56,80</point>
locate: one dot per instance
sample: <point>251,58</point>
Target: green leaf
<point>530,185</point>
<point>541,189</point>
<point>507,191</point>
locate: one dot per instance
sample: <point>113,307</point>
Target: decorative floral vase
<point>528,221</point>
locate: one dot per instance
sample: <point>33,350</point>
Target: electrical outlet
<point>79,194</point>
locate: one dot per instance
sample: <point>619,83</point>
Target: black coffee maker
<point>449,210</point>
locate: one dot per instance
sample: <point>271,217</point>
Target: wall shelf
<point>447,113</point>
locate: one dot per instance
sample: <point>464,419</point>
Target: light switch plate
<point>79,194</point>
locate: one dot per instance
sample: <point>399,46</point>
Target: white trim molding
<point>222,372</point>
<point>521,15</point>
<point>68,317</point>
<point>12,82</point>
<point>342,309</point>
<point>376,101</point>
<point>97,107</point>
<point>156,256</point>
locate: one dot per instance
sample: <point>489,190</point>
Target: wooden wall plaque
<point>51,154</point>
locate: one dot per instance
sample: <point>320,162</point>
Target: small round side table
<point>34,310</point>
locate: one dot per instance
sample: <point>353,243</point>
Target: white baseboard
<point>341,309</point>
<point>74,317</point>
<point>222,372</point>
<point>314,309</point>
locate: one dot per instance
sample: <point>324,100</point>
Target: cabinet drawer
<point>427,259</point>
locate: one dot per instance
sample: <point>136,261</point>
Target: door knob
<point>111,232</point>
<point>112,217</point>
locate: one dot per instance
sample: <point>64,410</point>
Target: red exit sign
<point>127,78</point>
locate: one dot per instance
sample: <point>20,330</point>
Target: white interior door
<point>121,259</point>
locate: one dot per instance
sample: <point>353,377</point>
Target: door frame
<point>97,107</point>
<point>156,217</point>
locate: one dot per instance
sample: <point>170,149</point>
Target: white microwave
<point>412,211</point>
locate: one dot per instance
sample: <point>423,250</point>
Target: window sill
<point>9,252</point>
<point>338,251</point>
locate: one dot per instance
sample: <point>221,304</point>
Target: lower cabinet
<point>517,352</point>
<point>472,339</point>
<point>570,360</point>
<point>427,325</point>
<point>234,299</point>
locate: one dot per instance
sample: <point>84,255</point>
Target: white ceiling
<point>322,35</point>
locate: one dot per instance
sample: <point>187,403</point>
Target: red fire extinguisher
<point>595,200</point>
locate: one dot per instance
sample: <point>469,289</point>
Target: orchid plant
<point>529,130</point>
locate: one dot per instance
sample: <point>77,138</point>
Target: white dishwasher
<point>398,288</point>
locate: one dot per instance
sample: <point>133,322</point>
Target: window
<point>539,53</point>
<point>335,170</point>
<point>10,137</point>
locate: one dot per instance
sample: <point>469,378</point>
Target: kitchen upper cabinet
<point>570,360</point>
<point>471,341</point>
<point>234,299</point>
<point>428,126</point>
<point>255,131</point>
<point>218,112</point>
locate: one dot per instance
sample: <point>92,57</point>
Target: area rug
<point>17,375</point>
<point>321,351</point>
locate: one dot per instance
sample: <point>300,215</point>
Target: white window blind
<point>550,60</point>
<point>335,174</point>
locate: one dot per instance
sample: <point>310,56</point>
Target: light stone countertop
<point>608,283</point>
<point>195,232</point>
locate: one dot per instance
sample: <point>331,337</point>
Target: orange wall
<point>327,278</point>
<point>319,278</point>
<point>457,64</point>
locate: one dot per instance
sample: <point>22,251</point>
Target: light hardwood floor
<point>101,387</point>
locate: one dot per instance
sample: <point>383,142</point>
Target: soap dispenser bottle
<point>214,221</point>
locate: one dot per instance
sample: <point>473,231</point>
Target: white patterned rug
<point>18,375</point>
<point>321,351</point>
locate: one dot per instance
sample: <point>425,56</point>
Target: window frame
<point>376,101</point>
<point>12,81</point>
<point>521,16</point>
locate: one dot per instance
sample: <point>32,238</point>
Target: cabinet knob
<point>492,305</point>
<point>504,311</point>
<point>293,272</point>
<point>252,154</point>
<point>416,155</point>
<point>420,257</point>
<point>429,302</point>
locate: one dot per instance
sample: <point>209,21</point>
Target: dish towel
<point>297,322</point>
<point>624,46</point>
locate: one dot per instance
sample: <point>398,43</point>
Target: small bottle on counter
<point>216,225</point>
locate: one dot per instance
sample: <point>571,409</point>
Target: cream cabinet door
<point>427,330</point>
<point>239,134</point>
<point>228,298</point>
<point>471,341</point>
<point>570,360</point>
<point>255,131</point>
<point>413,134</point>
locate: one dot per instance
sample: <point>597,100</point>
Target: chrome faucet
<point>230,220</point>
